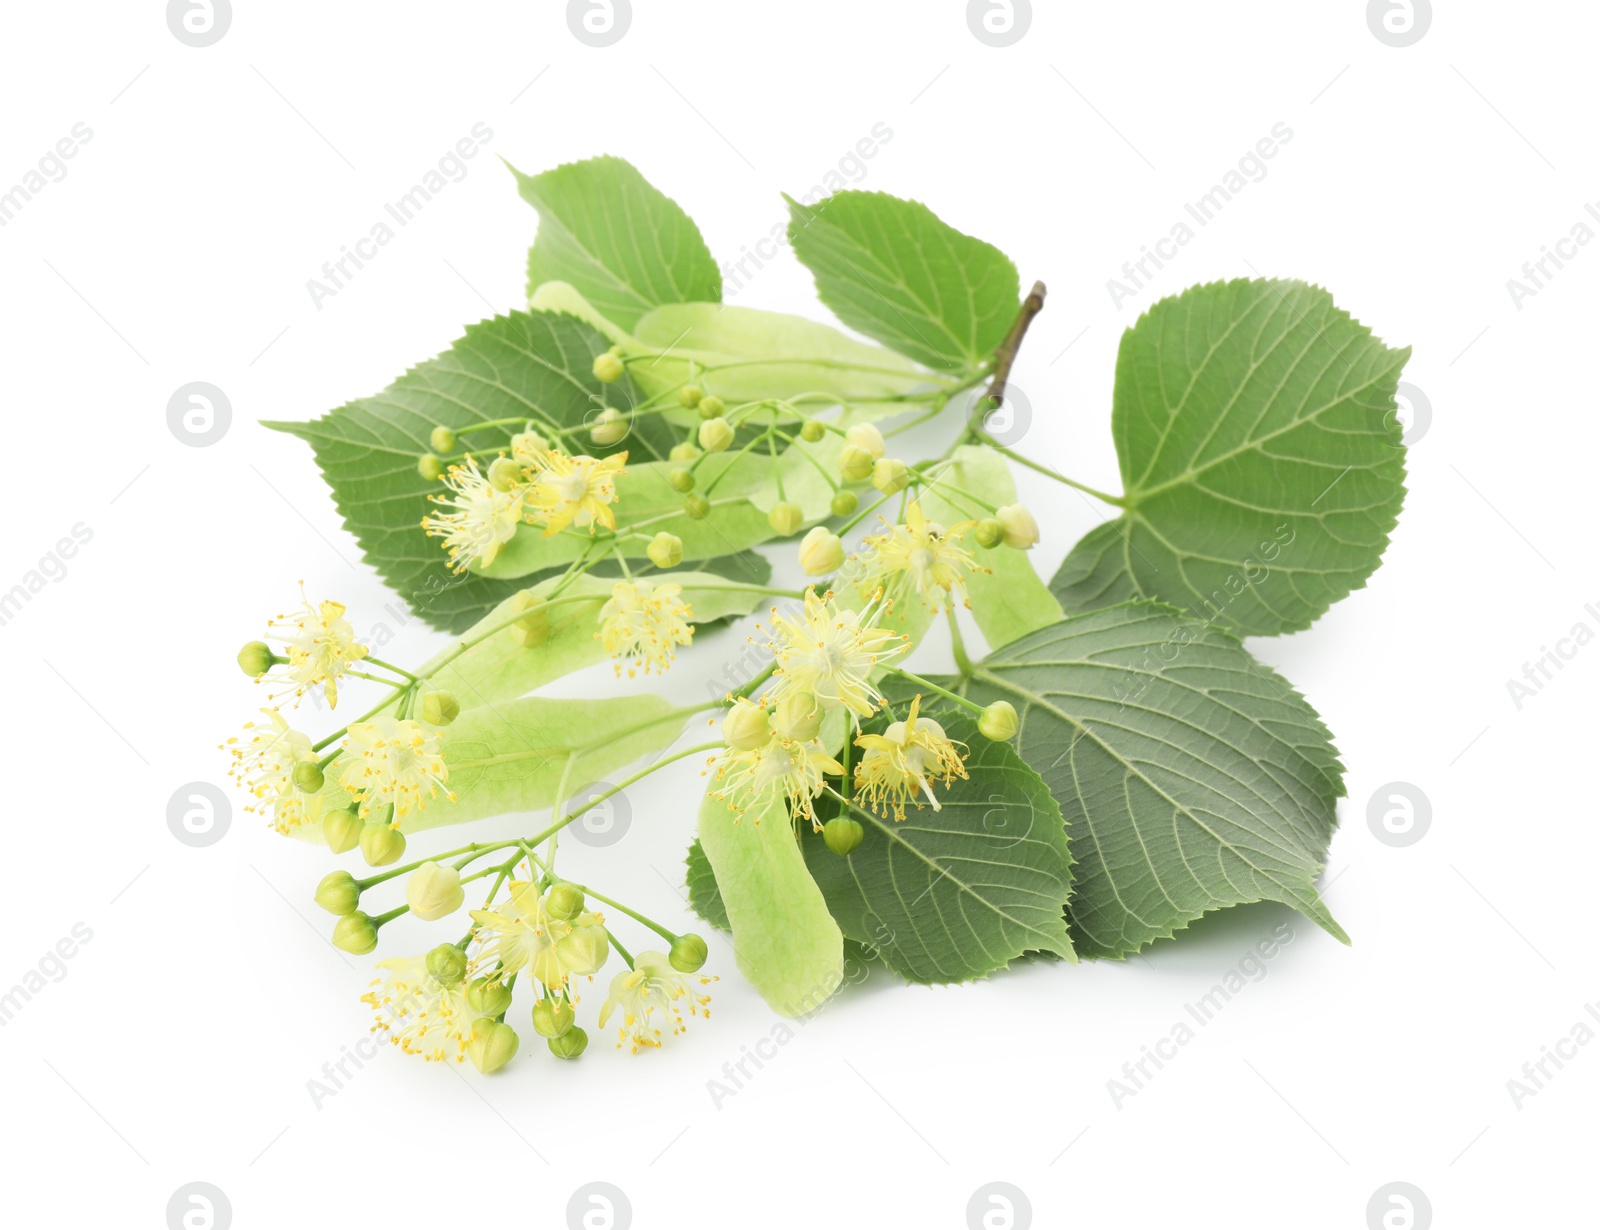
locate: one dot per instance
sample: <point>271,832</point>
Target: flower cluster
<point>644,625</point>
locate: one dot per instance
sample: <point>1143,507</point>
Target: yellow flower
<point>392,761</point>
<point>902,761</point>
<point>320,644</point>
<point>645,624</point>
<point>264,764</point>
<point>520,933</point>
<point>421,1015</point>
<point>832,653</point>
<point>793,768</point>
<point>574,490</point>
<point>923,555</point>
<point>650,988</point>
<point>484,520</point>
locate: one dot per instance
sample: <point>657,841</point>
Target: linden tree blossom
<point>644,625</point>
<point>392,761</point>
<point>651,995</point>
<point>320,644</point>
<point>422,1015</point>
<point>921,555</point>
<point>483,518</point>
<point>832,653</point>
<point>574,491</point>
<point>263,764</point>
<point>901,763</point>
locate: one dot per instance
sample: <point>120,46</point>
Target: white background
<point>179,1043</point>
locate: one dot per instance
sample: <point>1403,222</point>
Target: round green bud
<point>1021,530</point>
<point>430,467</point>
<point>439,708</point>
<point>488,998</point>
<point>355,933</point>
<point>697,506</point>
<point>842,834</point>
<point>255,659</point>
<point>504,473</point>
<point>442,440</point>
<point>307,777</point>
<point>534,627</point>
<point>553,1017</point>
<point>716,434</point>
<point>786,517</point>
<point>564,901</point>
<point>341,829</point>
<point>608,368</point>
<point>711,407</point>
<point>447,963</point>
<point>665,550</point>
<point>380,844</point>
<point>570,1044</point>
<point>610,427</point>
<point>999,721</point>
<point>989,532</point>
<point>681,478</point>
<point>855,463</point>
<point>492,1044</point>
<point>689,396</point>
<point>890,475</point>
<point>812,430</point>
<point>688,953</point>
<point>338,893</point>
<point>843,503</point>
<point>684,450</point>
<point>746,726</point>
<point>798,717</point>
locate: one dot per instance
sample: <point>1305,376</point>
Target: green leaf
<point>1191,776</point>
<point>705,898</point>
<point>1008,600</point>
<point>892,270</point>
<point>619,241</point>
<point>954,894</point>
<point>534,365</point>
<point>1260,456</point>
<point>786,942</point>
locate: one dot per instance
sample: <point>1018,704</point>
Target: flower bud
<point>746,726</point>
<point>341,829</point>
<point>493,1043</point>
<point>989,532</point>
<point>307,777</point>
<point>688,953</point>
<point>716,434</point>
<point>865,435</point>
<point>798,717</point>
<point>681,479</point>
<point>610,427</point>
<point>585,949</point>
<point>842,834</point>
<point>812,430</point>
<point>355,933</point>
<point>1021,530</point>
<point>821,551</point>
<point>855,463</point>
<point>380,844</point>
<point>697,506</point>
<point>689,396</point>
<point>710,407</point>
<point>433,891</point>
<point>665,550</point>
<point>430,467</point>
<point>534,627</point>
<point>439,708</point>
<point>999,721</point>
<point>570,1044</point>
<point>683,450</point>
<point>786,517</point>
<point>338,893</point>
<point>504,473</point>
<point>607,368</point>
<point>488,998</point>
<point>442,440</point>
<point>564,901</point>
<point>526,446</point>
<point>843,503</point>
<point>447,963</point>
<point>553,1017</point>
<point>256,658</point>
<point>890,475</point>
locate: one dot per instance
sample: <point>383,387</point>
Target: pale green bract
<point>1260,454</point>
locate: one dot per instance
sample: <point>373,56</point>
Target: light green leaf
<point>1260,456</point>
<point>892,270</point>
<point>954,894</point>
<point>1008,600</point>
<point>619,241</point>
<point>786,942</point>
<point>535,366</point>
<point>1191,776</point>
